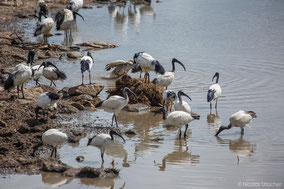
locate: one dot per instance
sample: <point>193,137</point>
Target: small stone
<point>78,106</point>
<point>74,55</point>
<point>92,89</point>
<point>3,123</point>
<point>80,158</point>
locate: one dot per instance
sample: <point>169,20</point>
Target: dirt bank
<point>19,130</point>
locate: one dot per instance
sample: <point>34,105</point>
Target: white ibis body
<point>20,75</point>
<point>179,118</point>
<point>169,96</point>
<point>44,26</point>
<point>54,138</point>
<point>146,63</point>
<point>52,73</point>
<point>101,141</point>
<point>182,105</point>
<point>75,5</point>
<point>86,65</point>
<point>214,91</point>
<point>238,119</point>
<point>115,103</point>
<point>46,101</point>
<point>166,79</point>
<point>120,67</point>
<point>65,19</point>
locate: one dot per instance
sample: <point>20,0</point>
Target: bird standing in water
<point>239,119</point>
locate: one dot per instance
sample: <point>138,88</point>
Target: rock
<point>74,55</point>
<point>66,108</point>
<point>23,129</point>
<point>80,158</point>
<point>130,132</point>
<point>87,104</point>
<point>136,108</point>
<point>64,91</point>
<point>71,172</point>
<point>3,123</point>
<point>78,106</point>
<point>92,89</point>
<point>53,166</point>
<point>83,97</point>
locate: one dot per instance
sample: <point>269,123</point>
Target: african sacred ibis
<point>115,103</point>
<point>37,73</point>
<point>146,63</point>
<point>167,78</point>
<point>46,101</point>
<point>178,119</point>
<point>75,5</point>
<point>169,96</point>
<point>214,91</point>
<point>52,73</point>
<point>44,26</point>
<point>20,74</point>
<point>65,19</point>
<point>53,138</point>
<point>121,67</point>
<point>41,6</point>
<point>86,65</point>
<point>102,140</point>
<point>182,105</point>
<point>238,119</point>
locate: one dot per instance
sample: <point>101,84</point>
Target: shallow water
<point>242,40</point>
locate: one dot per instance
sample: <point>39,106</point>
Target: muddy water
<point>242,40</point>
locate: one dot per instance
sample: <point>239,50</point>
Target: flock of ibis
<point>176,111</point>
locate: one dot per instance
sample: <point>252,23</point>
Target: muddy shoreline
<point>19,130</point>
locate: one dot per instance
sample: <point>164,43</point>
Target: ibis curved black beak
<point>174,60</point>
<point>49,63</point>
<point>112,132</point>
<point>79,15</point>
<point>223,128</point>
<point>183,94</point>
<point>42,65</point>
<point>128,90</point>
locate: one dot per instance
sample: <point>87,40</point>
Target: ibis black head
<point>47,64</point>
<point>174,60</point>
<point>76,13</point>
<point>52,96</point>
<point>181,93</point>
<point>112,132</point>
<point>252,113</point>
<point>44,9</point>
<point>217,77</point>
<point>70,6</point>
<point>136,56</point>
<point>158,67</point>
<point>31,56</point>
<point>90,140</point>
<point>126,89</point>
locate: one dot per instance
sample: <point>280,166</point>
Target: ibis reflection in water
<point>180,155</point>
<point>240,147</point>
